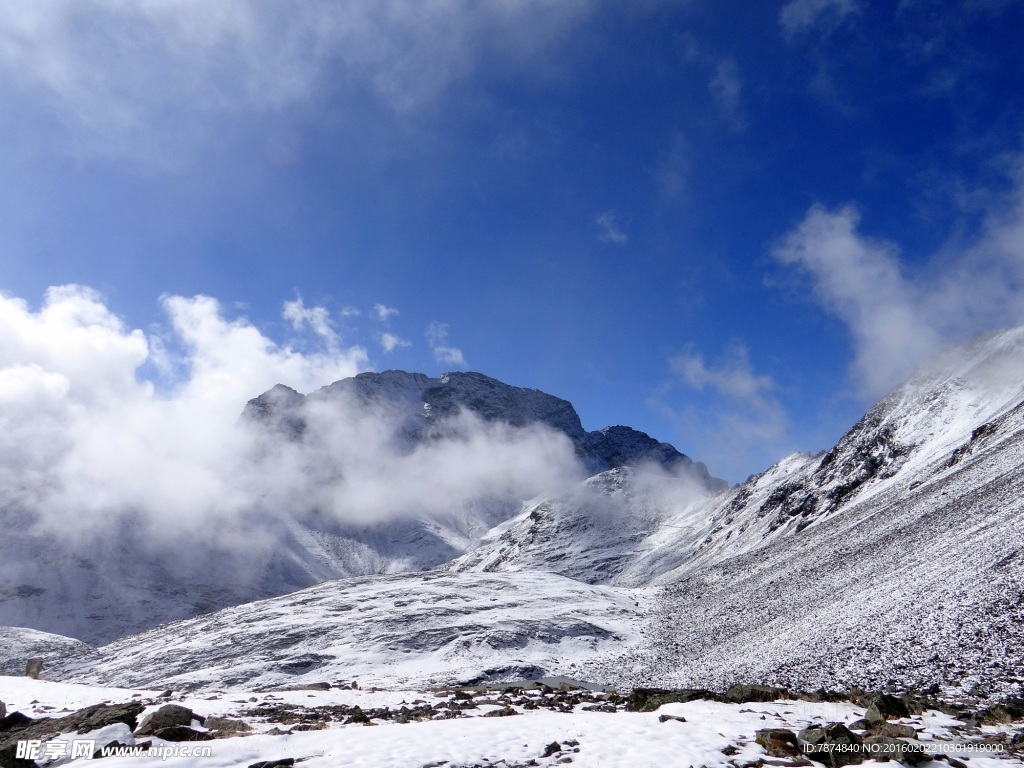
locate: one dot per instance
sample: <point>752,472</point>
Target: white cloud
<point>798,16</point>
<point>726,87</point>
<point>741,424</point>
<point>135,68</point>
<point>860,281</point>
<point>89,444</point>
<point>897,319</point>
<point>734,378</point>
<point>317,318</point>
<point>437,338</point>
<point>390,342</point>
<point>85,438</point>
<point>610,229</point>
<point>383,313</point>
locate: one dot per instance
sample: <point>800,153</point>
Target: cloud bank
<point>101,425</point>
<point>898,317</point>
<point>128,68</point>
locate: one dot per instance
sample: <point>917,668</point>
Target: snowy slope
<point>597,531</point>
<point>639,532</point>
<point>395,631</point>
<point>126,580</point>
<point>21,644</point>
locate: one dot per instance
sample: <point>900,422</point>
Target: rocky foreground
<point>512,726</point>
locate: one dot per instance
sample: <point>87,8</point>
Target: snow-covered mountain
<point>896,555</point>
<point>425,405</point>
<point>125,579</point>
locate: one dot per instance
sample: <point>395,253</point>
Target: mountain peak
<point>424,401</point>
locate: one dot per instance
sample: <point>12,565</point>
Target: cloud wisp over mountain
<point>104,425</point>
<point>898,315</point>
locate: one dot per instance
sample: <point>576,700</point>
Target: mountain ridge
<point>423,401</point>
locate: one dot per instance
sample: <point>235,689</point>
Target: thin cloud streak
<point>898,318</point>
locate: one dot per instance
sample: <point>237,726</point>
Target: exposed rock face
<point>424,403</point>
<point>83,721</point>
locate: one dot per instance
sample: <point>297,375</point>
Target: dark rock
<point>503,712</point>
<point>859,725</point>
<point>181,733</point>
<point>15,721</point>
<point>778,742</point>
<point>168,716</point>
<point>833,745</point>
<point>893,730</point>
<point>739,693</point>
<point>886,707</point>
<point>1007,711</point>
<point>34,668</point>
<point>3,710</point>
<point>889,748</point>
<point>283,763</point>
<point>649,699</point>
<point>225,726</point>
<point>357,717</point>
<point>9,758</point>
<point>666,718</point>
<point>101,715</point>
<point>551,749</point>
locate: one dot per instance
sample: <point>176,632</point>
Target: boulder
<point>834,745</point>
<point>168,716</point>
<point>1007,711</point>
<point>15,721</point>
<point>3,710</point>
<point>885,707</point>
<point>649,699</point>
<point>34,668</point>
<point>9,758</point>
<point>778,742</point>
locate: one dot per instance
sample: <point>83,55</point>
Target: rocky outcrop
<point>423,404</point>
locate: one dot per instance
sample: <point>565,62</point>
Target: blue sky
<point>732,225</point>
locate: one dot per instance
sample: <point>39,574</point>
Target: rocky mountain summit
<point>424,406</point>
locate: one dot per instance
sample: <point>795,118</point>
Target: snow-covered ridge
<point>392,631</point>
<point>424,403</point>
